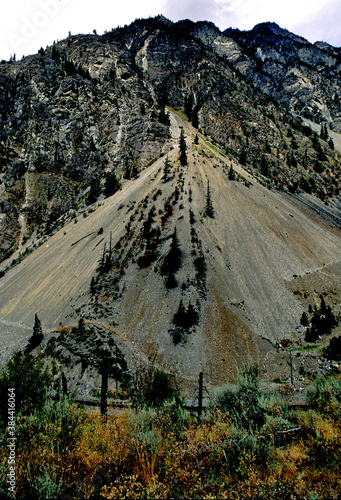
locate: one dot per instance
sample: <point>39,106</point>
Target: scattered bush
<point>324,395</point>
<point>244,404</point>
<point>172,262</point>
<point>186,318</point>
<point>322,321</point>
<point>333,350</point>
<point>161,451</point>
<point>31,378</point>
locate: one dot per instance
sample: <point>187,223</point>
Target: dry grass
<point>166,453</point>
<point>118,458</point>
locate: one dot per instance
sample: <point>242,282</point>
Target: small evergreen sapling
<point>232,175</point>
<point>37,330</point>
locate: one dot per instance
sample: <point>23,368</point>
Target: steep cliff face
<point>91,105</point>
<point>304,78</point>
<point>68,116</point>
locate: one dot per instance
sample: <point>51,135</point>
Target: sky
<point>27,25</point>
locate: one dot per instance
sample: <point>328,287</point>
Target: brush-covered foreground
<point>239,449</point>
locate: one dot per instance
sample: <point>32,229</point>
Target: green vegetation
<point>209,210</point>
<point>324,132</point>
<point>111,184</point>
<point>32,380</point>
<point>322,322</point>
<point>245,404</point>
<point>95,191</point>
<point>247,444</point>
<point>183,148</point>
<point>166,170</point>
<point>232,175</point>
<point>37,335</point>
<point>172,261</point>
<point>333,350</point>
<point>186,318</point>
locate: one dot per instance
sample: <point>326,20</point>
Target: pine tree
<point>93,286</point>
<point>112,184</point>
<point>95,191</point>
<point>185,318</point>
<point>231,174</point>
<point>324,132</point>
<point>243,157</point>
<point>209,210</point>
<point>304,319</point>
<point>183,148</point>
<point>172,261</point>
<point>166,170</point>
<point>37,330</point>
<point>36,337</point>
<point>164,117</point>
<point>264,167</point>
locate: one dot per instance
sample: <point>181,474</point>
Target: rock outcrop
<point>91,105</point>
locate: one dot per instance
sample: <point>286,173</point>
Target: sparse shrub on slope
<point>172,262</point>
<point>150,386</point>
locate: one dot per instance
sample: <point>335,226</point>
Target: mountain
<point>176,189</point>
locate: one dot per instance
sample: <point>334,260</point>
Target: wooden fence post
<point>64,384</point>
<point>200,394</point>
<point>104,387</point>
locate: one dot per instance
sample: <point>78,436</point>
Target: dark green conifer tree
<point>209,210</point>
<point>172,262</point>
<point>112,184</point>
<point>166,170</point>
<point>231,174</point>
<point>183,148</point>
<point>95,191</point>
<point>37,330</point>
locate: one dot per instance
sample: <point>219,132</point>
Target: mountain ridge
<point>91,113</point>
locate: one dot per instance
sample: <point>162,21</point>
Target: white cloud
<point>26,25</point>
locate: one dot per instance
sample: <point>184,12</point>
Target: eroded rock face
<point>305,78</point>
<point>68,116</point>
<point>92,104</point>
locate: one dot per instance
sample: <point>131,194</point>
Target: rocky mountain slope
<point>91,105</point>
<point>159,276</point>
<point>206,265</point>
